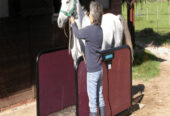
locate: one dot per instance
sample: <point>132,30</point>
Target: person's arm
<point>80,33</point>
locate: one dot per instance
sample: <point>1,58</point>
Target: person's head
<point>96,12</point>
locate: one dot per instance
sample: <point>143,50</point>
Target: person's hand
<point>71,19</point>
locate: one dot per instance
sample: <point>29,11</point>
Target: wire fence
<point>152,14</point>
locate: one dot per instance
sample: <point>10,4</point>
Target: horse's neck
<point>80,15</point>
<point>82,18</point>
<point>82,21</point>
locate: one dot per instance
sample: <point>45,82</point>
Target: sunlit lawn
<point>152,25</point>
<point>154,15</point>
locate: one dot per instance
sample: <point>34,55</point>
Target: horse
<point>115,29</point>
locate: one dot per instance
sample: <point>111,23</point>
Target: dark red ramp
<point>55,81</point>
<point>82,103</point>
<point>117,80</point>
<point>82,97</point>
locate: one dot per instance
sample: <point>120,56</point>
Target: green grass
<point>149,28</point>
<point>145,66</point>
<point>160,24</point>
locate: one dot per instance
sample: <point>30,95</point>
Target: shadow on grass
<point>145,65</point>
<point>148,36</point>
<point>141,56</point>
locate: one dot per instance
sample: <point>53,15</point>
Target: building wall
<point>115,7</point>
<point>4,8</point>
<point>26,28</point>
<point>23,34</point>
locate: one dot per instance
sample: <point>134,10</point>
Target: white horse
<point>114,28</point>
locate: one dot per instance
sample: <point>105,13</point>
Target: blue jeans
<point>94,89</point>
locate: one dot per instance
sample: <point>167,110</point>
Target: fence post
<point>145,10</point>
<point>147,13</point>
<point>169,13</point>
<point>131,20</point>
<point>157,18</point>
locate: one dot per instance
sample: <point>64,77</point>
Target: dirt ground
<point>156,94</point>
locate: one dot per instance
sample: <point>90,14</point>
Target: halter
<point>71,11</point>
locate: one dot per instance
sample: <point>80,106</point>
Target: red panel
<point>83,100</point>
<point>117,83</point>
<point>56,82</point>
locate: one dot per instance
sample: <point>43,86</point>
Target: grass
<point>155,16</point>
<point>152,25</point>
<point>145,66</point>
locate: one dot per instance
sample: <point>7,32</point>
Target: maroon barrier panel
<point>117,81</point>
<point>82,103</point>
<point>55,81</point>
<point>82,97</point>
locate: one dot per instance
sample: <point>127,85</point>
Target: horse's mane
<point>84,10</point>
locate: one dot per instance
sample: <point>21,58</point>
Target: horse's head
<point>67,9</point>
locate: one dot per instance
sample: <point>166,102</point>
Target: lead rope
<point>65,31</point>
<point>70,38</point>
<point>69,44</point>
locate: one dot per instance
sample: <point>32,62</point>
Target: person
<point>93,36</point>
